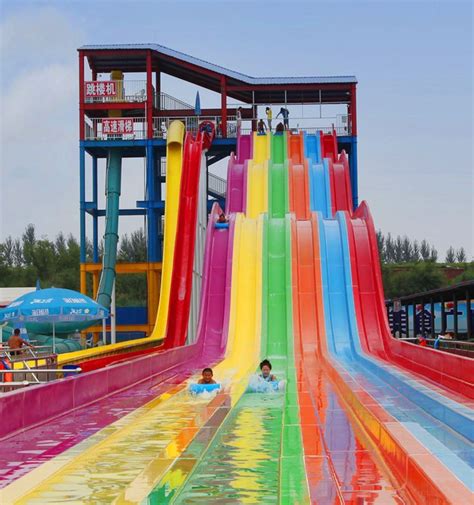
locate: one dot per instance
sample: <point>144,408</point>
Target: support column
<point>158,89</point>
<point>83,280</point>
<point>158,212</point>
<point>152,224</point>
<point>468,314</point>
<point>353,172</point>
<point>149,96</point>
<point>432,310</point>
<point>455,314</point>
<point>95,217</point>
<point>82,202</point>
<point>443,316</point>
<point>224,106</point>
<point>353,111</point>
<point>81,96</point>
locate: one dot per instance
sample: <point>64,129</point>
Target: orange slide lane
<point>298,177</point>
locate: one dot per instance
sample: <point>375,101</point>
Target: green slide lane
<point>293,482</point>
<point>278,177</point>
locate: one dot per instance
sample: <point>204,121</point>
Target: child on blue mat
<point>207,377</point>
<point>266,368</point>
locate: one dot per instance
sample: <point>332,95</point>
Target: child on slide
<point>266,368</point>
<point>207,377</point>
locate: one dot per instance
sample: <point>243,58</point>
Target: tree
<point>450,255</point>
<point>398,250</point>
<point>7,252</point>
<point>389,249</point>
<point>29,241</point>
<point>18,259</point>
<point>461,255</point>
<point>407,249</point>
<point>381,246</point>
<point>424,250</point>
<point>433,255</point>
<point>415,255</point>
<point>133,248</point>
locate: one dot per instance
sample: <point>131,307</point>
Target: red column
<point>353,110</point>
<point>224,106</point>
<point>149,96</point>
<point>81,96</point>
<point>158,88</point>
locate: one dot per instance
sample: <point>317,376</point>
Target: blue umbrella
<point>53,306</point>
<point>197,105</point>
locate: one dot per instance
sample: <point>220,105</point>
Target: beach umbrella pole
<point>54,338</point>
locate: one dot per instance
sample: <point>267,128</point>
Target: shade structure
<point>53,309</point>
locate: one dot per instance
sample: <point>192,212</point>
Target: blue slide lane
<point>319,178</point>
<point>439,423</point>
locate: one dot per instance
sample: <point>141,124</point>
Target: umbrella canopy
<point>197,105</point>
<point>53,306</point>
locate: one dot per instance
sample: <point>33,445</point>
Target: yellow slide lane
<point>257,176</point>
<point>174,161</point>
<point>122,462</point>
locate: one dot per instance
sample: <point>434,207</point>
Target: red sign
<point>101,88</point>
<point>118,125</point>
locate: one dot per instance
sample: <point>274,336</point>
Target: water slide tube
<point>444,369</point>
<point>174,163</point>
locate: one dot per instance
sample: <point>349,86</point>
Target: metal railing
<point>191,123</point>
<point>217,185</point>
<point>120,128</point>
<point>26,363</point>
<point>168,102</point>
<point>135,128</point>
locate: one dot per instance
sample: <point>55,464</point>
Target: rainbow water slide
<point>292,285</point>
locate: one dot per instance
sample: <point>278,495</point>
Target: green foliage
<point>450,255</point>
<point>57,263</point>
<point>403,250</point>
<point>414,278</point>
<point>467,275</point>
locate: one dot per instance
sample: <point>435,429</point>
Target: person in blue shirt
<point>284,112</point>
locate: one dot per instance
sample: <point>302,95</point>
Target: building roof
<point>130,58</point>
<point>442,294</point>
<point>7,295</point>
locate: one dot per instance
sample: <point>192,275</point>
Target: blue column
<point>152,223</point>
<point>82,201</point>
<point>353,172</point>
<point>95,218</point>
<point>159,212</point>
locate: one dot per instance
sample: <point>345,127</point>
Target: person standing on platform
<point>269,113</point>
<point>285,113</point>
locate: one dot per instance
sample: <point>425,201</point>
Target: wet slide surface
<point>438,423</point>
<point>340,465</point>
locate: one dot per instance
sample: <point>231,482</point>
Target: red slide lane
<point>449,371</point>
<point>329,145</point>
<point>180,292</point>
<point>340,184</point>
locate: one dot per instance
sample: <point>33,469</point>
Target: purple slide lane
<point>237,176</point>
<point>36,427</point>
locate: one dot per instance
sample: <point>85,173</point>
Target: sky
<point>413,62</point>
